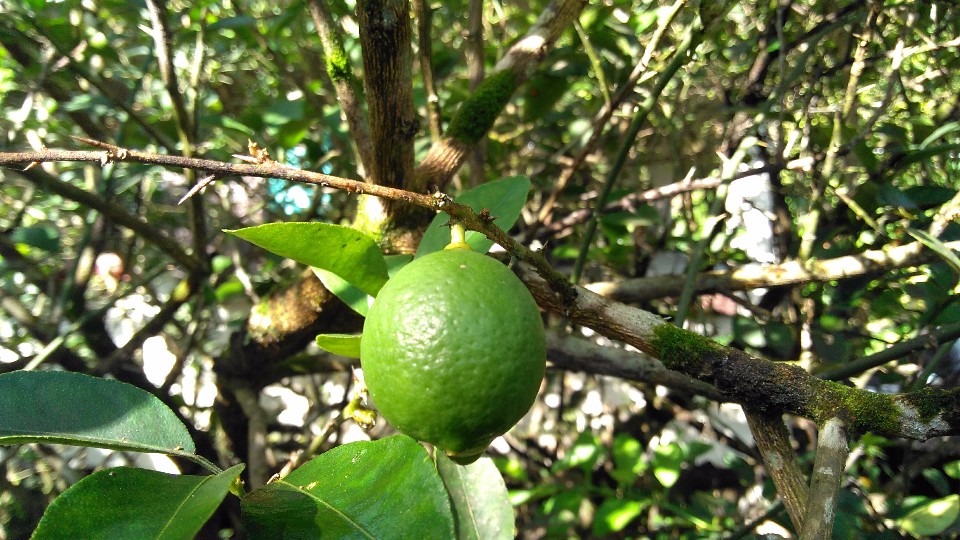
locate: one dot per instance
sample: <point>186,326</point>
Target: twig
<point>828,468</point>
<point>344,82</point>
<point>257,448</point>
<point>929,339</point>
<point>111,210</point>
<point>424,15</point>
<point>780,459</point>
<point>690,43</point>
<point>478,113</point>
<point>606,114</point>
<point>757,276</point>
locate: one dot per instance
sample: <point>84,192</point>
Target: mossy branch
<point>767,387</point>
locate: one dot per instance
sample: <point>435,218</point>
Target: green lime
<point>453,351</point>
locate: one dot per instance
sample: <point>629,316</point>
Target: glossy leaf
<point>353,297</point>
<point>343,344</point>
<point>70,408</point>
<point>481,505</point>
<point>135,503</point>
<point>502,198</point>
<point>933,517</point>
<point>341,250</point>
<point>381,489</point>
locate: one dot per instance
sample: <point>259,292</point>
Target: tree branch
<point>576,354</point>
<point>828,468</point>
<point>424,15</point>
<point>112,211</point>
<point>755,276</point>
<point>780,460</point>
<point>765,386</point>
<point>344,83</point>
<point>477,114</point>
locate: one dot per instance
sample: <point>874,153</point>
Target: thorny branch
<point>766,386</point>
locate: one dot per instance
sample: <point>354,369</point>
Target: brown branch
<point>828,469</point>
<point>109,209</point>
<point>575,354</point>
<point>766,386</point>
<point>780,459</point>
<point>385,37</point>
<point>476,115</point>
<point>344,82</point>
<point>788,273</point>
<point>424,14</point>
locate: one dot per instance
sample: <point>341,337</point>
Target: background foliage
<point>839,120</point>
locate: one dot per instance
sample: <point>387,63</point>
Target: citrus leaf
<point>932,518</point>
<point>70,408</point>
<point>341,250</point>
<point>502,198</point>
<point>135,503</point>
<point>371,489</point>
<point>353,297</point>
<point>481,505</point>
<point>343,344</point>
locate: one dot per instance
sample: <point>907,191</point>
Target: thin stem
<point>694,35</point>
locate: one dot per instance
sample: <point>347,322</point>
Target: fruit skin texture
<point>453,351</point>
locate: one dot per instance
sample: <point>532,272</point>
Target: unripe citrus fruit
<point>453,351</point>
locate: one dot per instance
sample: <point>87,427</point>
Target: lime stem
<point>458,235</point>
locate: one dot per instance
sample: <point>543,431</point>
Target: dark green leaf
<point>70,408</point>
<point>481,506</point>
<point>381,489</point>
<point>342,344</point>
<point>135,503</point>
<point>45,238</point>
<point>503,198</point>
<point>341,250</point>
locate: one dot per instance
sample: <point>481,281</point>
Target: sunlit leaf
<point>381,489</point>
<point>932,518</point>
<point>135,503</point>
<point>346,252</point>
<point>481,507</point>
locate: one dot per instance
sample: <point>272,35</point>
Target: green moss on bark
<point>930,402</point>
<point>861,410</point>
<point>338,68</point>
<point>683,351</point>
<point>476,115</point>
